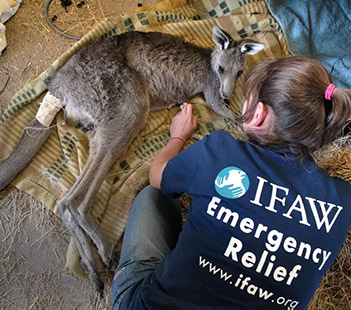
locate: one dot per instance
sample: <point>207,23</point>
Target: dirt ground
<point>33,241</point>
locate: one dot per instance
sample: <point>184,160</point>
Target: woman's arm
<point>182,127</point>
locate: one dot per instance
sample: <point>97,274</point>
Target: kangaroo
<point>110,86</point>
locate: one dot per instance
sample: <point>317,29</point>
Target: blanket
<point>58,164</point>
<point>318,29</point>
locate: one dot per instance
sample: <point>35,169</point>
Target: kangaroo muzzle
<point>226,90</point>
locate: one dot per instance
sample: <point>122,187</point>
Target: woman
<point>265,221</point>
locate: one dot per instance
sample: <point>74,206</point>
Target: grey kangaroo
<point>110,86</point>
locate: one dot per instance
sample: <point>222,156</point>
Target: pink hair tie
<point>329,91</point>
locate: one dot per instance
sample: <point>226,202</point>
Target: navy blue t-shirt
<point>262,229</point>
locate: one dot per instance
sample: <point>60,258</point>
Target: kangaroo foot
<point>83,245</point>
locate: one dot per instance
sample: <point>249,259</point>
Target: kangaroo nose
<point>224,95</point>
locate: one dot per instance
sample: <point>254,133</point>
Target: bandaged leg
<point>48,109</point>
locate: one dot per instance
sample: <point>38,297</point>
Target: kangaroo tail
<point>27,148</point>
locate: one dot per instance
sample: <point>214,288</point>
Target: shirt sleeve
<point>180,172</point>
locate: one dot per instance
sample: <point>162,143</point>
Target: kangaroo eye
<point>220,70</point>
<point>239,73</point>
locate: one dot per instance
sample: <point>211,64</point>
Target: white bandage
<point>48,109</point>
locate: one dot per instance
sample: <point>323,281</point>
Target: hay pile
<point>32,257</point>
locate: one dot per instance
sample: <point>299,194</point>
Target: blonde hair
<point>294,88</point>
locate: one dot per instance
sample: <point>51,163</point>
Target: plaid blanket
<point>58,164</point>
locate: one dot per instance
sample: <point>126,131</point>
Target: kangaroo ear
<point>221,39</point>
<point>250,47</point>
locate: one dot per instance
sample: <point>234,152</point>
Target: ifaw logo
<point>232,183</point>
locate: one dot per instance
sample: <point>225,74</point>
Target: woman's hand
<point>184,123</point>
<point>182,127</point>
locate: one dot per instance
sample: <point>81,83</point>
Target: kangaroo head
<point>228,59</point>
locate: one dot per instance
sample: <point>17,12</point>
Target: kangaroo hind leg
<point>82,243</point>
<point>107,145</point>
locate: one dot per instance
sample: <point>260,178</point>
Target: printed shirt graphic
<point>232,182</point>
<point>260,233</point>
